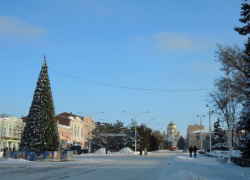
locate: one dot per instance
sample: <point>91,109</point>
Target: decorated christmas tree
<point>41,133</point>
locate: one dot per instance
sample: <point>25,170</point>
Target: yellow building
<point>194,135</point>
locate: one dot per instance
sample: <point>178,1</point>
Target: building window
<point>14,131</point>
<point>4,132</point>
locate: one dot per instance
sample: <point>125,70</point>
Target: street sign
<point>197,136</point>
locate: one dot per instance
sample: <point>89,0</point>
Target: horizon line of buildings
<point>72,130</point>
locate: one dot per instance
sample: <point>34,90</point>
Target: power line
<point>126,87</point>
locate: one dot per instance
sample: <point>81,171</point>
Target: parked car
<point>76,149</point>
<point>173,148</point>
<point>85,150</point>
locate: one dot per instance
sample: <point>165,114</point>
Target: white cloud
<point>17,29</point>
<point>178,42</point>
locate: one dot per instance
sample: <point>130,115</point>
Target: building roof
<point>203,131</point>
<point>171,125</point>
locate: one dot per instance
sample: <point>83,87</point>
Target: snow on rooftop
<point>199,131</point>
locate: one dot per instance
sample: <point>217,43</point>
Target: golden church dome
<point>171,125</point>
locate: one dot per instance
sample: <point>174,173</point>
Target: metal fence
<point>241,162</point>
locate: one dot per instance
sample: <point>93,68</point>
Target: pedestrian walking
<point>140,151</point>
<point>106,151</point>
<point>145,152</point>
<point>4,151</point>
<point>190,151</point>
<point>195,150</point>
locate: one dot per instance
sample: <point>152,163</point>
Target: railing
<point>241,162</point>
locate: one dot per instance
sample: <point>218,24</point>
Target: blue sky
<point>162,45</point>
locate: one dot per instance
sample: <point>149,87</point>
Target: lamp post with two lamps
<point>90,127</point>
<point>135,123</point>
<point>210,112</point>
<point>201,129</point>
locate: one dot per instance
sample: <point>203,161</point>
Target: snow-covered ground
<point>126,164</point>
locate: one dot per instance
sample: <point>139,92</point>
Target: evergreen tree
<point>41,133</point>
<point>181,144</point>
<point>219,138</point>
<point>99,141</point>
<point>113,143</point>
<point>245,117</point>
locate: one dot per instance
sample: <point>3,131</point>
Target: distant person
<point>145,152</point>
<point>4,151</point>
<point>106,151</point>
<point>195,150</point>
<point>140,152</point>
<point>190,151</point>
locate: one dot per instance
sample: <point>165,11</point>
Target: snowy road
<point>157,166</point>
<point>89,167</point>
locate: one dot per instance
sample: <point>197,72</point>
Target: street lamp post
<point>90,127</point>
<point>201,129</point>
<point>230,123</point>
<point>210,112</point>
<point>135,122</point>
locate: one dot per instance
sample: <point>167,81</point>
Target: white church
<point>172,135</point>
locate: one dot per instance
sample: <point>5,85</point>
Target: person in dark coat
<point>195,150</point>
<point>190,151</point>
<point>4,151</point>
<point>140,151</point>
<point>106,151</point>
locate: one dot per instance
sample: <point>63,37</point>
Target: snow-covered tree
<point>219,138</point>
<point>113,143</point>
<point>41,133</point>
<point>245,117</point>
<point>99,141</point>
